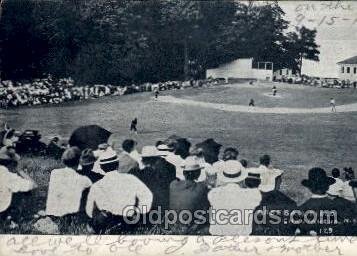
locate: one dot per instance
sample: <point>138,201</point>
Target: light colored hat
<point>163,147</point>
<point>191,164</point>
<point>232,171</point>
<point>152,151</point>
<point>108,156</point>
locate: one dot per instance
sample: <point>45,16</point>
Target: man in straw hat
<point>233,197</point>
<point>115,197</point>
<point>188,194</point>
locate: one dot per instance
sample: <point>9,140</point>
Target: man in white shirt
<point>11,182</point>
<point>115,197</point>
<point>267,174</point>
<point>172,158</point>
<point>337,188</point>
<point>237,203</point>
<point>66,186</point>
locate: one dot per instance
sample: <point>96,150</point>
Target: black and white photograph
<point>178,118</point>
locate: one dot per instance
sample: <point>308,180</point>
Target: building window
<point>343,69</point>
<point>269,66</point>
<point>348,70</point>
<point>281,71</point>
<point>354,70</point>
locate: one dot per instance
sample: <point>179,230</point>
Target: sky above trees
<point>337,37</point>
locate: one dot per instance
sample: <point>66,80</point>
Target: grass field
<point>296,142</point>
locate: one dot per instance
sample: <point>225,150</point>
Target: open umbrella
<point>89,136</point>
<point>210,150</point>
<point>181,145</point>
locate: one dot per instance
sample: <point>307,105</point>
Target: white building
<point>284,73</point>
<point>347,69</point>
<point>243,68</point>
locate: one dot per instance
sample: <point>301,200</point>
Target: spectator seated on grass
<point>128,158</point>
<point>86,164</point>
<point>65,191</point>
<point>157,175</point>
<point>268,175</point>
<point>11,181</point>
<point>55,149</point>
<point>347,191</point>
<point>114,197</point>
<point>273,202</point>
<point>236,200</point>
<point>336,189</point>
<point>188,194</point>
<point>329,224</point>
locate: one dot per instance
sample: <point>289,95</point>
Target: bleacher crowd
<point>54,91</point>
<point>106,191</point>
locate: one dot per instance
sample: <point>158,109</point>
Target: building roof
<point>352,60</point>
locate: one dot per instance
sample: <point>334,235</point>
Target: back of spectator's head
<point>87,159</point>
<point>335,173</point>
<point>192,175</point>
<point>265,160</point>
<point>230,154</point>
<point>109,161</point>
<point>349,173</point>
<point>253,180</point>
<point>244,163</point>
<point>70,157</point>
<point>128,145</point>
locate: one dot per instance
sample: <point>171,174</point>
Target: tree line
<point>124,41</point>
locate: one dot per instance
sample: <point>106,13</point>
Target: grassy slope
<point>295,142</point>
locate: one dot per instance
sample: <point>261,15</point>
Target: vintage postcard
<point>178,127</point>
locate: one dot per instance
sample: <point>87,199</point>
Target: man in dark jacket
<point>329,213</point>
<point>156,175</point>
<point>274,202</point>
<point>188,194</point>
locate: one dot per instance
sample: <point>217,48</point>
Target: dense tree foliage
<point>123,41</point>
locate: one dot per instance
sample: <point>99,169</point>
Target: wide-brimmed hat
<point>108,156</point>
<point>152,151</point>
<point>231,171</point>
<point>87,157</point>
<point>317,178</point>
<point>191,164</point>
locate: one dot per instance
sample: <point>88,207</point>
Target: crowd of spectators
<point>106,190</point>
<point>54,91</point>
<point>319,81</point>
